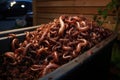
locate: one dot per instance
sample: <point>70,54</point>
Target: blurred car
<point>13,8</point>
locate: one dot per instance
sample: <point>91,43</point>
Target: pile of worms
<point>50,46</point>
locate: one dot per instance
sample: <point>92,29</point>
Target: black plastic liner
<point>93,64</point>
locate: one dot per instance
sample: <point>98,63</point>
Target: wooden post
<point>34,12</point>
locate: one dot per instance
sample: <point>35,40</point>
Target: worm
<point>47,43</point>
<point>48,67</point>
<point>69,20</point>
<point>66,56</point>
<point>85,28</point>
<point>27,35</point>
<point>69,31</point>
<point>80,44</point>
<point>11,35</point>
<point>77,18</point>
<point>62,25</point>
<point>15,44</point>
<point>27,48</point>
<point>39,51</point>
<point>10,55</point>
<point>36,67</point>
<point>66,48</point>
<point>19,50</point>
<point>43,35</point>
<point>55,56</point>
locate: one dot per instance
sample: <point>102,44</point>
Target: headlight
<point>12,3</point>
<point>23,6</point>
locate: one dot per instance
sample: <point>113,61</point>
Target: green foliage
<point>113,5</point>
<point>116,55</point>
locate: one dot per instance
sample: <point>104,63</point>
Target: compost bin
<point>92,63</point>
